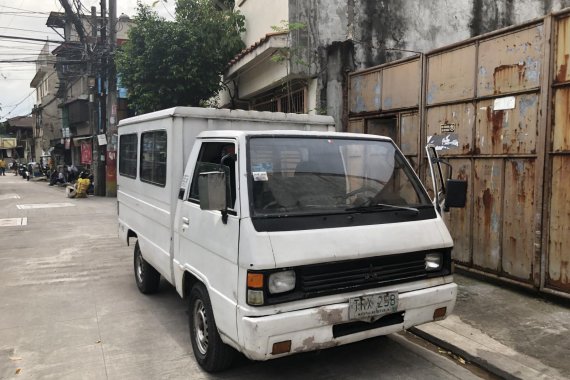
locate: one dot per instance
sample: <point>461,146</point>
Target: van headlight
<point>434,262</point>
<point>281,282</point>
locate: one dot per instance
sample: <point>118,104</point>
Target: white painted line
<point>12,222</point>
<point>44,205</point>
<point>9,196</point>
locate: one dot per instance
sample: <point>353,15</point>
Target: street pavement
<point>70,309</point>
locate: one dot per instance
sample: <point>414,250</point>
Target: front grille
<point>350,275</point>
<point>361,274</point>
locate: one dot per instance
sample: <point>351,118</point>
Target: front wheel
<point>146,277</point>
<point>210,352</point>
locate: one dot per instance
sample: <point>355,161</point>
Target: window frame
<point>141,158</point>
<point>136,157</point>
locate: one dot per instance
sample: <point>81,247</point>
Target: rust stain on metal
<point>563,70</point>
<point>487,206</point>
<point>503,76</point>
<point>518,233</point>
<point>562,50</point>
<point>459,221</point>
<point>559,228</point>
<point>561,137</point>
<point>496,119</point>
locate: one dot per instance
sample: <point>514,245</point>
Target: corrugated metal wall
<point>498,107</point>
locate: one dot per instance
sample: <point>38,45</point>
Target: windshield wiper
<point>382,206</point>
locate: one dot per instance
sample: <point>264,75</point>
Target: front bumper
<point>312,329</point>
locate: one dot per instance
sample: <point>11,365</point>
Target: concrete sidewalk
<point>508,332</point>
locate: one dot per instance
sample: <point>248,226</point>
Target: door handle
<point>185,220</point>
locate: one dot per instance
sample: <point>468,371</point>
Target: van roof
<point>240,133</point>
<point>213,113</point>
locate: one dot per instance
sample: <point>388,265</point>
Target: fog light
<point>439,313</point>
<point>281,347</point>
<point>255,297</point>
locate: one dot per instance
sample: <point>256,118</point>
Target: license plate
<point>372,305</point>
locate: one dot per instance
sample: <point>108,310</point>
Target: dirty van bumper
<point>328,326</point>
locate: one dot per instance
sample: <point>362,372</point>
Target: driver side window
<point>215,156</point>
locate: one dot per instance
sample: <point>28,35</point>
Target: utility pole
<point>111,167</point>
<point>99,163</point>
<point>92,92</point>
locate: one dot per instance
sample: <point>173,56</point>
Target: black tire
<point>146,277</point>
<point>210,352</point>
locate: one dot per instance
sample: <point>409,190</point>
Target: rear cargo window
<point>153,157</point>
<point>128,155</point>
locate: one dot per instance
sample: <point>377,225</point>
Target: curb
<point>478,348</point>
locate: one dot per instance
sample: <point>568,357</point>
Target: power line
<point>25,10</point>
<point>21,15</point>
<point>27,30</point>
<point>29,39</point>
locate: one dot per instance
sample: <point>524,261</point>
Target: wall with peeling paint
<point>342,36</point>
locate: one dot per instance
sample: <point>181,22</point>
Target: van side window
<point>128,155</point>
<point>153,157</point>
<point>210,159</point>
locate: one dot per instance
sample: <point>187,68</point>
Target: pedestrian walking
<point>2,167</point>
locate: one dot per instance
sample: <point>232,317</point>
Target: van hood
<point>293,248</point>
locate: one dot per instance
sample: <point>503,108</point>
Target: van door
<point>207,246</point>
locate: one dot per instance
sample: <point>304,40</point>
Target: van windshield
<point>317,175</point>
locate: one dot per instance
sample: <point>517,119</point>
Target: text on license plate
<point>372,305</point>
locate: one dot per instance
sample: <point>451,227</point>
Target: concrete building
<point>46,113</point>
<point>18,142</point>
<point>305,69</point>
<point>80,86</point>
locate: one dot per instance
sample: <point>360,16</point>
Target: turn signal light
<point>255,280</point>
<point>281,347</point>
<point>439,313</point>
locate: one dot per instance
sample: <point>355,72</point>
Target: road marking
<point>9,196</point>
<point>11,222</point>
<point>44,205</point>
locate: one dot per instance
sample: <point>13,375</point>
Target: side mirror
<point>450,192</point>
<point>456,194</point>
<point>213,191</point>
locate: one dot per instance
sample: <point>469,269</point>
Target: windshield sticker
<point>184,183</point>
<point>260,176</point>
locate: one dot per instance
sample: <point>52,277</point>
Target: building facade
<point>308,47</point>
<point>46,113</point>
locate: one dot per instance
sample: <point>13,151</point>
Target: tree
<point>178,63</point>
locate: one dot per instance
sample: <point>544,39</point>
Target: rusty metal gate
<point>498,107</point>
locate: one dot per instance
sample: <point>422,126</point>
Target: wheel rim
<point>200,326</point>
<point>139,269</point>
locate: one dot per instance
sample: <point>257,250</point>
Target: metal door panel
<point>451,128</point>
<point>458,220</point>
<point>510,131</point>
<point>510,62</point>
<point>401,85</point>
<point>518,217</point>
<point>488,183</point>
<point>558,268</point>
<point>451,75</point>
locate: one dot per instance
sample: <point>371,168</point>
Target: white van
<point>283,235</point>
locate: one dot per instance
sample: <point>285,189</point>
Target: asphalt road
<point>70,309</point>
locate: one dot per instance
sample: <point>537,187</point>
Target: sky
<point>27,18</point>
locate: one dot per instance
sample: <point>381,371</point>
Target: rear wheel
<point>211,353</point>
<point>146,277</point>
